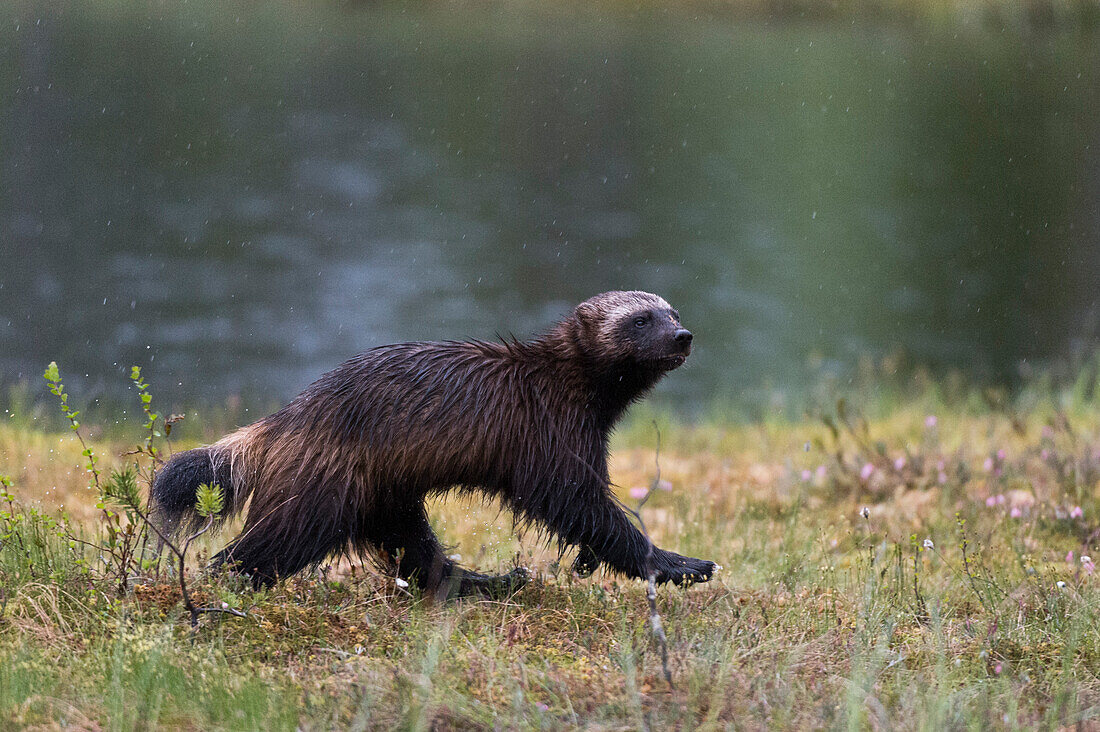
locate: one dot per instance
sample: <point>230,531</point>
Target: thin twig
<point>181,554</point>
<point>651,589</point>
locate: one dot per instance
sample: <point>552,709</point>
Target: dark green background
<point>240,195</point>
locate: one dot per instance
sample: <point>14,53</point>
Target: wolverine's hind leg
<point>280,541</point>
<point>407,536</point>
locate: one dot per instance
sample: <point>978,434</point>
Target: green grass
<point>821,617</point>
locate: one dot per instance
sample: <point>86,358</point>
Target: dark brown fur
<point>350,461</point>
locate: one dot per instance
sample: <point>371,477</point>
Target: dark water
<point>240,195</point>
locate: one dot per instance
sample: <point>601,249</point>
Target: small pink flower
<point>821,472</point>
<point>997,668</point>
<point>1069,556</point>
<point>541,707</point>
<point>639,492</point>
<point>1015,512</point>
<point>941,465</point>
<point>987,466</point>
<point>1000,499</point>
<point>1001,454</point>
<point>867,471</point>
<point>1086,562</point>
<point>942,477</point>
<point>1044,454</point>
<point>1076,512</point>
<point>807,475</point>
<point>991,501</point>
<point>930,421</point>
<point>899,464</point>
<point>664,485</point>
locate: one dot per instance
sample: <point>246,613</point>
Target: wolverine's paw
<point>586,562</point>
<point>497,586</point>
<point>686,570</point>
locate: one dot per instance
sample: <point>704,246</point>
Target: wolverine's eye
<point>640,322</point>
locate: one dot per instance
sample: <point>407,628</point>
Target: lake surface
<point>238,196</point>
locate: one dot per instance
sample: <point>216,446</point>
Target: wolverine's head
<point>635,326</point>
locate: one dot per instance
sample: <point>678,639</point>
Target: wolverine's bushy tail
<point>173,492</point>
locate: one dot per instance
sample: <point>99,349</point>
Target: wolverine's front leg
<point>607,536</point>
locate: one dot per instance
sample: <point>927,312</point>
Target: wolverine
<point>347,465</point>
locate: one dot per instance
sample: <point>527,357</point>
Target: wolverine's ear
<point>586,311</point>
<point>587,317</point>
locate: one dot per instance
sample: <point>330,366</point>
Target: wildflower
<point>991,501</point>
<point>821,472</point>
<point>1069,557</point>
<point>865,512</point>
<point>639,492</point>
<point>807,476</point>
<point>929,545</point>
<point>997,668</point>
<point>1076,512</point>
<point>1000,499</point>
<point>1015,512</point>
<point>401,583</point>
<point>987,466</point>
<point>541,707</point>
<point>664,485</point>
<point>1044,454</point>
<point>942,477</point>
<point>899,464</point>
<point>1086,562</point>
<point>225,606</point>
<point>930,421</point>
<point>1001,454</point>
<point>867,471</point>
<point>1061,584</point>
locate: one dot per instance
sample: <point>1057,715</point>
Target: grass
<point>845,600</point>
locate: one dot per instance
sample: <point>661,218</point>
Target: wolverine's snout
<point>683,337</point>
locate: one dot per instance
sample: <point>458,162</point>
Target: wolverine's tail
<point>172,496</point>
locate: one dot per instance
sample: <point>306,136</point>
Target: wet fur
<point>348,464</point>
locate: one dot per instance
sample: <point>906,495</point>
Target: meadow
<point>918,558</point>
